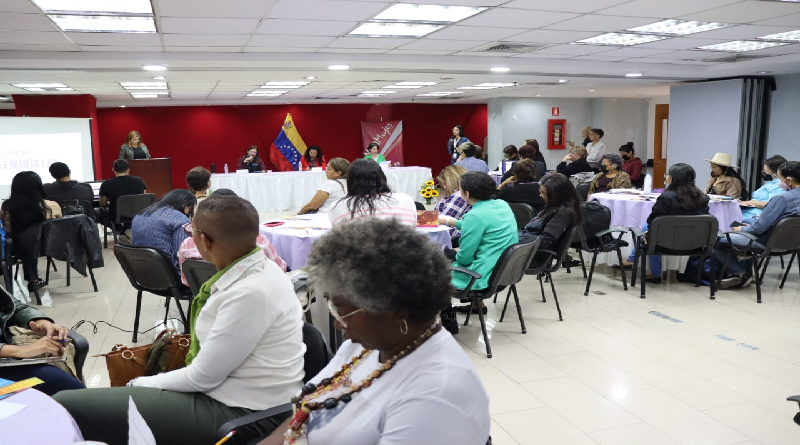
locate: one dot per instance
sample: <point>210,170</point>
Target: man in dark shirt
<point>122,184</point>
<point>65,191</point>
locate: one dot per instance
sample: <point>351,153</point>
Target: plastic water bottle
<point>648,184</point>
<point>226,169</point>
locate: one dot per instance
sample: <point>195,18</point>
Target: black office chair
<point>547,262</point>
<point>26,244</point>
<point>788,268</point>
<point>128,206</point>
<point>509,270</point>
<point>151,270</point>
<point>601,242</point>
<point>582,190</point>
<point>317,356</point>
<point>523,213</point>
<point>56,245</point>
<point>795,399</point>
<point>784,237</point>
<point>197,272</point>
<point>81,352</point>
<point>693,235</point>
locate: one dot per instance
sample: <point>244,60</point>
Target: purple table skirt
<point>626,211</point>
<point>42,422</point>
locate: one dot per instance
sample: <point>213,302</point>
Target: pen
<point>226,438</point>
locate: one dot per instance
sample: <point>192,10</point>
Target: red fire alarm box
<point>556,134</point>
<point>556,111</point>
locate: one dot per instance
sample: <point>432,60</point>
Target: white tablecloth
<point>278,191</point>
<point>293,239</point>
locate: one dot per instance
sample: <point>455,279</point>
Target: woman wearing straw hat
<point>724,179</point>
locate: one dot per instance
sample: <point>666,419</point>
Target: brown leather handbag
<point>167,353</point>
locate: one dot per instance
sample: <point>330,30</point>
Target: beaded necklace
<point>303,406</point>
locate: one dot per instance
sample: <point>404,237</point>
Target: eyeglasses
<point>340,318</point>
<point>189,230</point>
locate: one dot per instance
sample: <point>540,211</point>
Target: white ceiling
<point>218,51</point>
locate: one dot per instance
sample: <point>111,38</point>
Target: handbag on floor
<point>165,354</point>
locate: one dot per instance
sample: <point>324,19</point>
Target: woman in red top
<point>313,158</point>
<point>632,165</point>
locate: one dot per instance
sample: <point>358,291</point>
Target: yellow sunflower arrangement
<point>428,191</point>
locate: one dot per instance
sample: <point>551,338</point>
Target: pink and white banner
<point>388,135</point>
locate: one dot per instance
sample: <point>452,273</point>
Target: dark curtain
<point>753,121</point>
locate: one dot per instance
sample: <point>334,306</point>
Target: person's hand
<point>644,236</point>
<point>44,345</point>
<point>248,159</point>
<point>744,203</point>
<point>48,329</point>
<point>443,220</point>
<point>566,158</point>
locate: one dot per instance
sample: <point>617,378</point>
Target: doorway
<point>661,125</point>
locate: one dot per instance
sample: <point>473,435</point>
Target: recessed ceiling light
<point>791,36</point>
<point>338,67</point>
<point>284,85</point>
<point>378,92</point>
<point>159,78</point>
<point>563,80</point>
<point>476,88</point>
<point>65,89</point>
<point>149,95</point>
<point>440,93</point>
<point>39,85</point>
<point>538,95</point>
<point>95,6</point>
<point>619,39</point>
<point>739,46</point>
<point>154,67</point>
<point>634,75</point>
<point>496,84</point>
<point>144,85</point>
<point>266,93</point>
<point>428,13</point>
<point>678,27</point>
<point>97,23</point>
<point>160,93</point>
<point>4,98</point>
<point>500,69</point>
<point>763,72</point>
<point>35,90</point>
<point>404,87</point>
<point>415,83</point>
<point>310,78</point>
<point>592,90</point>
<point>122,106</point>
<point>380,29</point>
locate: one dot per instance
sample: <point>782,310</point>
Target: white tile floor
<point>609,374</point>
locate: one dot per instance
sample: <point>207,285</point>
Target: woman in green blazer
<point>372,153</point>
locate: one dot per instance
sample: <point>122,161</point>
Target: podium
<point>156,173</point>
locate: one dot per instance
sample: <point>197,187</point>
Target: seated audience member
<point>134,148</point>
<point>752,209</point>
<point>373,153</point>
<point>14,313</point>
<point>251,161</point>
<point>368,195</point>
<point>313,158</point>
<point>681,197</point>
<point>525,152</point>
<point>537,155</point>
<point>510,153</point>
<point>64,190</point>
<point>189,251</point>
<point>610,176</point>
<point>596,147</point>
<point>407,369</point>
<point>780,206</point>
<point>25,208</point>
<point>161,224</point>
<point>452,205</point>
<point>120,185</point>
<point>524,189</point>
<point>577,162</point>
<point>332,190</point>
<point>198,180</point>
<point>724,179</point>
<point>233,367</point>
<point>632,165</point>
<point>486,231</point>
<point>562,211</point>
<point>469,161</point>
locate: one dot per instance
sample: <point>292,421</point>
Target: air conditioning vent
<point>733,58</point>
<point>510,48</point>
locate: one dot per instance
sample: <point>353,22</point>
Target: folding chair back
<point>129,206</point>
<point>683,235</point>
<point>785,236</point>
<point>513,262</point>
<point>523,213</point>
<point>197,272</point>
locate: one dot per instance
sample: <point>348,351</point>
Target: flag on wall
<point>388,135</point>
<point>285,152</point>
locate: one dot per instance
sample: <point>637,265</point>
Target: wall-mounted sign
<point>556,111</point>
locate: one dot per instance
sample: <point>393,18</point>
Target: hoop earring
<point>404,327</point>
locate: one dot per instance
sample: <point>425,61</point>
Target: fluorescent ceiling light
<point>310,78</point>
<point>739,46</point>
<point>65,89</point>
<point>404,87</point>
<point>791,36</point>
<point>370,95</point>
<point>285,84</point>
<point>153,95</point>
<point>477,88</point>
<point>563,80</point>
<point>379,29</point>
<point>39,85</point>
<point>496,84</point>
<point>428,13</point>
<point>4,98</point>
<point>138,93</point>
<point>96,6</point>
<point>35,90</point>
<point>122,106</point>
<point>619,39</point>
<point>440,93</point>
<point>500,69</point>
<point>144,85</point>
<point>634,75</point>
<point>414,83</point>
<point>86,23</point>
<point>591,90</point>
<point>678,27</point>
<point>338,67</point>
<point>154,68</point>
<point>378,92</point>
<point>267,93</point>
<point>159,78</point>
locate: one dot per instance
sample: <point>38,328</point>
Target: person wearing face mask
<point>780,206</point>
<point>632,165</point>
<point>724,179</point>
<point>752,209</point>
<point>610,176</point>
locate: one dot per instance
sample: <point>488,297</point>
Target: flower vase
<point>428,201</point>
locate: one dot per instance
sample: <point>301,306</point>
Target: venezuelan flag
<point>288,147</point>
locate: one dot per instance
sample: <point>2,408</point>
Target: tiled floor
<point>610,373</point>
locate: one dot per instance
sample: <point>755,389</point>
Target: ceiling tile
<point>670,9</point>
<point>204,49</point>
<point>116,39</point>
<point>112,49</point>
<point>368,43</point>
<point>26,22</point>
<point>741,32</point>
<point>634,52</point>
<point>33,38</point>
<point>284,40</point>
<point>207,26</point>
<point>482,54</point>
<point>536,55</point>
<point>22,47</point>
<point>474,33</point>
<point>205,39</point>
<point>578,50</point>
<point>792,20</point>
<point>579,6</point>
<point>277,49</point>
<point>326,10</point>
<point>746,12</point>
<point>23,6</point>
<point>550,36</point>
<point>680,43</point>
<point>648,60</point>
<point>598,58</point>
<point>516,18</point>
<point>686,55</point>
<point>454,45</point>
<point>421,52</point>
<point>306,27</point>
<point>213,9</point>
<point>604,23</point>
<point>458,2</point>
<point>352,50</point>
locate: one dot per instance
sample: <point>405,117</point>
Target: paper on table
<point>8,409</point>
<point>138,431</point>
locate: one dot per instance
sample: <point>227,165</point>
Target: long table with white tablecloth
<point>279,191</point>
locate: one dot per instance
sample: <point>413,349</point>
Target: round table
<point>42,422</point>
<point>293,239</point>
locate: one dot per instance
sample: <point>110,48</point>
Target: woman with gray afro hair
<point>400,377</point>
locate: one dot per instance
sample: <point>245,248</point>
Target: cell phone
<point>736,224</point>
<point>274,223</point>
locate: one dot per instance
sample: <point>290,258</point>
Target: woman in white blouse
<point>399,378</point>
<point>334,189</point>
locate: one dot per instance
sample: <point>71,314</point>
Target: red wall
<point>201,135</point>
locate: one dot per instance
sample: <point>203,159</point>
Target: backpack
<point>72,209</point>
<point>596,217</point>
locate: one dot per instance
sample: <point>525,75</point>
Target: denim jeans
<point>721,252</point>
<point>654,260</point>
